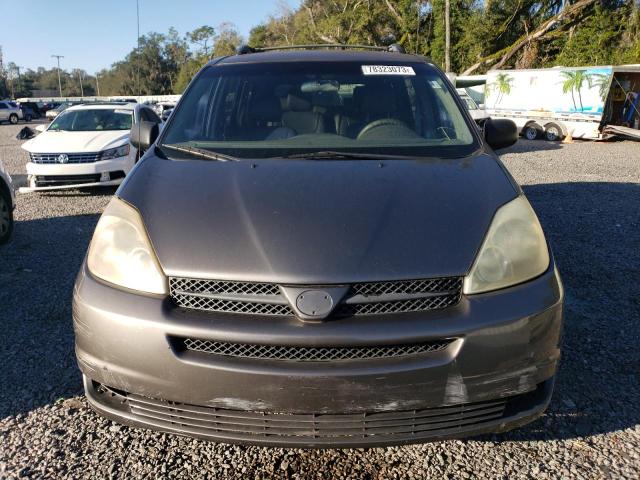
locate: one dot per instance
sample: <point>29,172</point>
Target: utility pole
<point>19,79</point>
<point>447,37</point>
<point>59,81</point>
<point>81,89</point>
<point>97,85</point>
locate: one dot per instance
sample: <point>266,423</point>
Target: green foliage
<point>202,37</point>
<point>482,31</point>
<point>460,16</point>
<point>596,40</point>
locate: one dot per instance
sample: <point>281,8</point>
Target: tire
<point>553,132</point>
<point>532,132</point>
<point>6,217</point>
<point>13,119</point>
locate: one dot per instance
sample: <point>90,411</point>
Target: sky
<point>93,34</point>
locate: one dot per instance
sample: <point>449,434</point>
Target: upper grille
<point>407,286</point>
<point>72,157</point>
<point>404,306</point>
<point>216,286</point>
<point>311,354</point>
<point>229,297</point>
<point>361,299</point>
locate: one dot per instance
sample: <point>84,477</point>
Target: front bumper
<point>51,176</point>
<point>495,374</point>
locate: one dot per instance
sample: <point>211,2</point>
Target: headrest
<point>326,99</point>
<point>266,109</point>
<point>296,104</point>
<point>374,100</point>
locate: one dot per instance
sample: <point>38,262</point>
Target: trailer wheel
<point>532,131</point>
<point>553,132</point>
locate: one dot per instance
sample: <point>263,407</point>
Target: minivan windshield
<point>259,110</point>
<point>88,120</point>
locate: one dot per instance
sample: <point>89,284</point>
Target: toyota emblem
<point>63,158</point>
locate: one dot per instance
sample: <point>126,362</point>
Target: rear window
<point>271,109</point>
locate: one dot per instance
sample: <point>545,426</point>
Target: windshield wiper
<point>200,152</point>
<point>334,155</point>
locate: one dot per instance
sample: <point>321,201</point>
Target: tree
<point>202,36</point>
<point>227,40</point>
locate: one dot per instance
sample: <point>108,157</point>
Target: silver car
<point>10,112</point>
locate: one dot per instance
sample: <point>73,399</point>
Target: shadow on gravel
<point>37,271</point>
<point>594,231</point>
<point>524,146</point>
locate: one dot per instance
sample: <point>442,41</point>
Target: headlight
<point>122,151</point>
<point>121,253</point>
<point>513,251</point>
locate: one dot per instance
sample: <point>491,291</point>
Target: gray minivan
<point>320,249</point>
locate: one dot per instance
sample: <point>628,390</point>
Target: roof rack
<point>395,47</point>
<point>91,102</point>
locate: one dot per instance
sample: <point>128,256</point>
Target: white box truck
<point>584,102</point>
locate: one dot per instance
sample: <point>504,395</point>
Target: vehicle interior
<point>312,106</point>
<point>622,106</point>
<point>93,120</point>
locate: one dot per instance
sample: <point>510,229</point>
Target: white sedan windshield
<point>92,120</point>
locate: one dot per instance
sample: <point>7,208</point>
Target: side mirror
<point>143,134</point>
<point>41,128</point>
<point>500,133</point>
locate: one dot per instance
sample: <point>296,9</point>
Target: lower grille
<point>311,354</point>
<point>61,180</point>
<point>386,426</point>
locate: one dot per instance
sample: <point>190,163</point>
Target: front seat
<point>299,116</point>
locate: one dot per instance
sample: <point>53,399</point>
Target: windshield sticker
<point>387,70</point>
<point>126,112</point>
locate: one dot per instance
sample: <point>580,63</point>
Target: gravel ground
<point>588,198</point>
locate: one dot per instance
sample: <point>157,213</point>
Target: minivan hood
<point>317,222</point>
<point>76,142</point>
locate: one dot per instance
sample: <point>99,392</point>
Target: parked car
<point>30,110</point>
<point>166,114</point>
<point>86,145</point>
<point>319,249</point>
<point>10,112</point>
<point>478,114</point>
<point>7,204</point>
<point>54,112</point>
<point>46,106</point>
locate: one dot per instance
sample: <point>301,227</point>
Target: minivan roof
<point>332,55</point>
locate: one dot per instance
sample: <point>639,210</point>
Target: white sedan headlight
<point>121,253</point>
<point>513,251</point>
<point>121,151</point>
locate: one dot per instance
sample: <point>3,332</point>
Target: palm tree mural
<point>572,83</point>
<point>600,80</point>
<point>575,79</point>
<point>502,85</point>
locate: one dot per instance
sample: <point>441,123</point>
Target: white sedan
<point>85,146</point>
